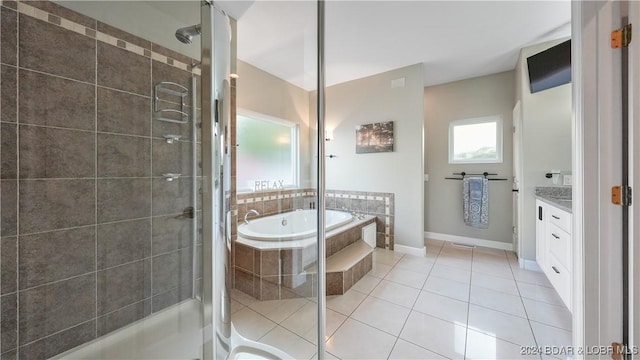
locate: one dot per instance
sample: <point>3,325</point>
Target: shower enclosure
<point>119,203</point>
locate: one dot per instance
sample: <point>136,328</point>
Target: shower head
<point>186,34</point>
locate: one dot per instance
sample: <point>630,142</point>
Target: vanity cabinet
<point>553,247</point>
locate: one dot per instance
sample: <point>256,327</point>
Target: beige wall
<point>477,97</point>
<point>546,144</point>
<point>370,100</point>
<point>261,92</point>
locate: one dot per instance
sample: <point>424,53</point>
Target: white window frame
<point>295,145</point>
<point>472,121</point>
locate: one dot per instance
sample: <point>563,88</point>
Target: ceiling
<point>453,39</point>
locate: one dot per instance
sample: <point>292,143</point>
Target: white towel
<point>475,197</point>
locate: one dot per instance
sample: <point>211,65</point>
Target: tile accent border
<point>381,205</point>
<point>62,22</point>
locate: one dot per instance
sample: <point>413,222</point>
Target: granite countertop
<point>558,196</point>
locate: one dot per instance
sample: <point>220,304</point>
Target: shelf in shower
<point>167,87</point>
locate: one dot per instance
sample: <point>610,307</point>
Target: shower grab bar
<point>158,113</point>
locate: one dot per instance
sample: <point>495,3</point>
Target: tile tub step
<point>347,266</point>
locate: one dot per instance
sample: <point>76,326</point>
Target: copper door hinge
<point>618,351</point>
<point>621,195</point>
<point>621,38</point>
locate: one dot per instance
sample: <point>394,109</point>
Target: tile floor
<point>456,303</point>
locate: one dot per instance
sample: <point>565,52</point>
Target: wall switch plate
<point>426,177</point>
<point>567,179</point>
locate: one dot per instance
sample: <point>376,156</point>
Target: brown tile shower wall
<point>92,237</point>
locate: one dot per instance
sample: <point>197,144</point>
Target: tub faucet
<point>252,211</point>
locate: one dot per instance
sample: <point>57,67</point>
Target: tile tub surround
<point>378,204</point>
<point>91,236</point>
<point>273,274</point>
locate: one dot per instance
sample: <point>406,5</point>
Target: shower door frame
<point>216,316</point>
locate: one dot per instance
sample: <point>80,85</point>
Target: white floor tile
<point>345,304</point>
<point>420,265</point>
<point>495,269</point>
<point>432,251</point>
<point>406,277</point>
<point>482,346</point>
<point>278,310</point>
<point>539,293</point>
<point>396,293</point>
<point>433,242</point>
<point>551,336</point>
<point>236,306</point>
<point>450,288</point>
<point>366,284</point>
<point>442,337</point>
<point>404,350</point>
<point>355,340</point>
<point>496,300</point>
<point>464,264</point>
<point>250,324</point>
<point>334,321</point>
<point>304,322</point>
<point>554,315</point>
<point>531,277</point>
<point>451,273</point>
<point>442,307</point>
<point>380,270</point>
<point>451,249</point>
<point>241,297</point>
<point>503,326</point>
<point>494,283</point>
<point>386,257</point>
<point>382,315</point>
<point>431,323</point>
<point>289,342</point>
<point>489,252</point>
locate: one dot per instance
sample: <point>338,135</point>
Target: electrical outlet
<point>567,179</point>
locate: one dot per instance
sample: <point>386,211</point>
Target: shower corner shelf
<point>167,87</point>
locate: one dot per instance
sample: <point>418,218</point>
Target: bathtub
<point>294,225</point>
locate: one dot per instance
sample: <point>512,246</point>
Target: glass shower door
<point>261,141</point>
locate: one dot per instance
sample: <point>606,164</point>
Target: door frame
<point>596,128</point>
<point>517,174</point>
<point>634,179</point>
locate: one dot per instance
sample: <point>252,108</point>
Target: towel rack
<point>158,114</point>
<point>485,174</point>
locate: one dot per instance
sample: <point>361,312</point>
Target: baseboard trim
<point>529,265</point>
<point>422,252</point>
<point>469,241</point>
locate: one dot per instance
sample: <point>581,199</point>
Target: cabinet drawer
<point>560,278</point>
<point>559,244</point>
<point>560,218</point>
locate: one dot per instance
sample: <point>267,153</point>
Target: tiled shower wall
<point>91,235</point>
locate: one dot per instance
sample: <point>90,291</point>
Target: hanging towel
<point>475,197</point>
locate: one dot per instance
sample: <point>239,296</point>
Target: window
<point>477,140</point>
<point>267,153</point>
